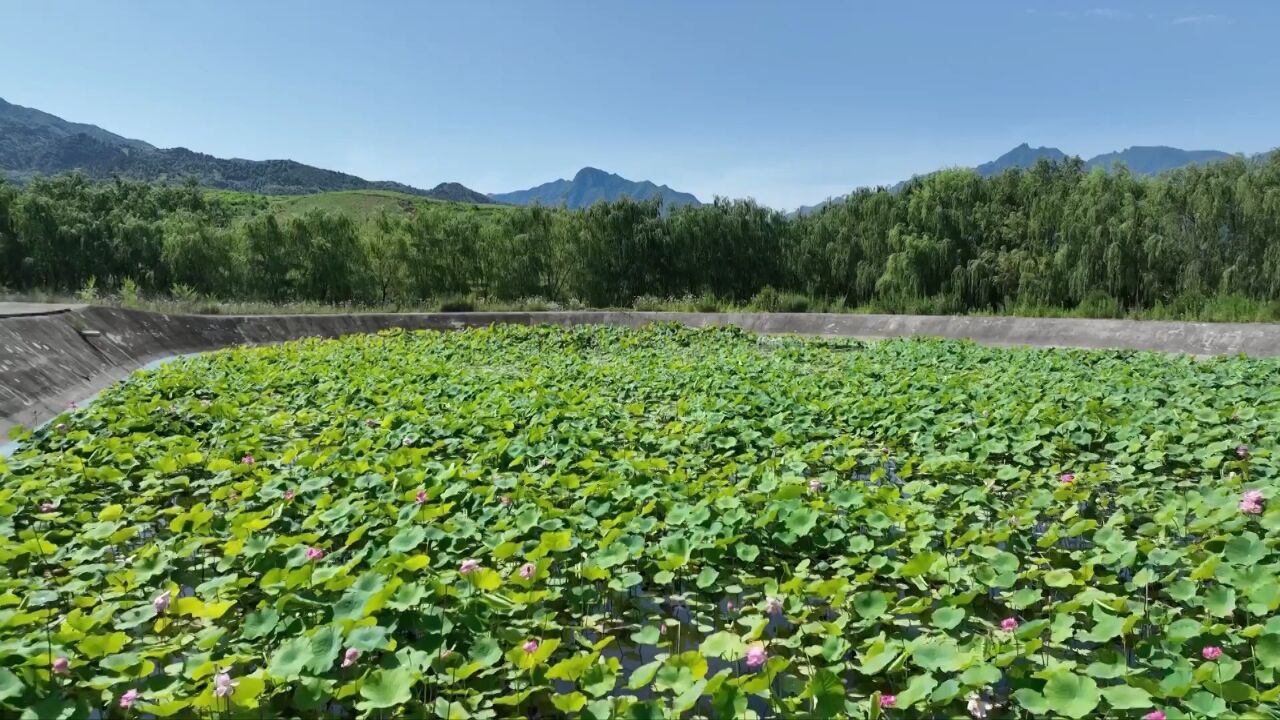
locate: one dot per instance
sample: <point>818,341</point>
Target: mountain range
<point>33,143</point>
<point>591,185</point>
<point>1140,159</point>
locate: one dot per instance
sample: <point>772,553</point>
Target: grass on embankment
<point>1214,309</point>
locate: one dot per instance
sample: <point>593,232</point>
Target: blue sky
<point>787,102</point>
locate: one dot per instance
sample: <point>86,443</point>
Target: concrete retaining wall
<point>51,356</point>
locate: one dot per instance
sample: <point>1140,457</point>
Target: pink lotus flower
<point>1212,652</point>
<point>161,603</point>
<point>815,485</point>
<point>1242,451</point>
<point>888,701</point>
<point>755,655</point>
<point>1066,478</point>
<point>61,665</point>
<point>505,500</point>
<point>528,570</point>
<point>246,460</point>
<point>1251,502</point>
<point>350,657</point>
<point>290,494</point>
<point>1009,624</point>
<point>469,566</point>
<point>420,497</point>
<point>61,428</point>
<point>729,606</point>
<point>223,686</point>
<point>1155,715</point>
<point>531,646</point>
<point>47,507</point>
<point>773,606</point>
<point>128,698</point>
<point>314,553</point>
<point>407,442</point>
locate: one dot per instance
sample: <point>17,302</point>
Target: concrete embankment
<point>53,355</point>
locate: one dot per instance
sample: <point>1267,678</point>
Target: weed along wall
<point>50,357</point>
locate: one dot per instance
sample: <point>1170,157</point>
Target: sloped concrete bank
<point>53,355</point>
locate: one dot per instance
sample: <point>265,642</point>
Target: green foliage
<point>898,502</point>
<point>1200,242</point>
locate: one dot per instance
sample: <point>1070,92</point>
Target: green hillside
<point>359,205</point>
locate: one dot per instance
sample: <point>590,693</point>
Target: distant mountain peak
<point>591,172</point>
<point>591,185</point>
<point>1021,156</point>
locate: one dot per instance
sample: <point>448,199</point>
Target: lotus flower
<point>531,646</point>
<point>528,570</point>
<point>1009,624</point>
<point>1066,478</point>
<point>1242,451</point>
<point>773,606</point>
<point>350,657</point>
<point>128,698</point>
<point>505,500</point>
<point>371,423</point>
<point>314,553</point>
<point>223,686</point>
<point>815,485</point>
<point>61,428</point>
<point>1155,715</point>
<point>161,603</point>
<point>888,701</point>
<point>290,494</point>
<point>420,497</point>
<point>47,507</point>
<point>1251,502</point>
<point>469,566</point>
<point>407,442</point>
<point>61,665</point>
<point>246,460</point>
<point>755,655</point>
<point>1212,652</point>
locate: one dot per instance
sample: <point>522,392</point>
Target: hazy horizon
<point>787,105</point>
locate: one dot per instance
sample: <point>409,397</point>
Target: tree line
<point>1052,236</point>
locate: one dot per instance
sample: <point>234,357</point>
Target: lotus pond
<point>600,522</point>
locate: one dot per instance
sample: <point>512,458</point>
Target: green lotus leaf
<point>288,662</point>
<point>10,685</point>
<point>918,688</point>
<point>1206,704</point>
<point>870,605</point>
<point>723,645</point>
<point>1071,695</point>
<point>386,689</point>
<point>1125,697</point>
<point>947,617</point>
